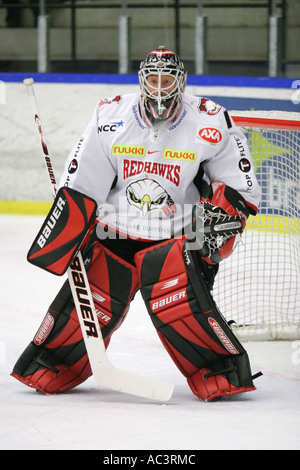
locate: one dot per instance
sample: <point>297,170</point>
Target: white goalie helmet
<point>162,81</point>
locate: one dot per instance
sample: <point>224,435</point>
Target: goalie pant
<point>172,284</point>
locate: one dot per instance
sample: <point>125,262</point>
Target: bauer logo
<point>85,307</point>
<point>211,135</point>
<point>167,301</point>
<point>51,222</point>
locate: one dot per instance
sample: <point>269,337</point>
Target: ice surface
<point>90,417</point>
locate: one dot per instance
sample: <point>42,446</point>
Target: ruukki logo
<point>211,135</point>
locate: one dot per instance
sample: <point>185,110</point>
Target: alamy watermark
<point>296,353</point>
<point>296,93</point>
<point>2,352</point>
<point>2,93</point>
<point>119,222</point>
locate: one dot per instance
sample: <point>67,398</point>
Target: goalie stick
<point>104,372</point>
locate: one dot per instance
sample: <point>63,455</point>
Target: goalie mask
<point>162,81</point>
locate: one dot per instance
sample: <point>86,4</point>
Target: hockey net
<point>259,285</point>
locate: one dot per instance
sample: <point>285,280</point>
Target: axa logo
<point>111,127</point>
<point>211,135</point>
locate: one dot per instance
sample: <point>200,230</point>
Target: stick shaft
<point>30,90</point>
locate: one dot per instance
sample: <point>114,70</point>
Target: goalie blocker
<point>63,231</point>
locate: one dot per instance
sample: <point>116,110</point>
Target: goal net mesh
<point>258,286</point>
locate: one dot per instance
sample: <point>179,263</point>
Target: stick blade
<point>107,375</point>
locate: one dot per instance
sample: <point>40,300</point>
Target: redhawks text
<point>134,167</point>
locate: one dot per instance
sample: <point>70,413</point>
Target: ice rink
<point>90,417</point>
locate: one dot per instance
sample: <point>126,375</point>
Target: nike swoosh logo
<point>153,151</point>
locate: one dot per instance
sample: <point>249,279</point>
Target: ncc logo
<point>111,127</point>
<point>211,135</point>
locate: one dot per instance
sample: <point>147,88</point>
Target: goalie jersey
<point>146,180</point>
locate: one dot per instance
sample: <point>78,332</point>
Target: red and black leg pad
<point>188,322</point>
<point>64,230</point>
<point>56,360</point>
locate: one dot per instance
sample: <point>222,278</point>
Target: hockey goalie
<point>156,193</point>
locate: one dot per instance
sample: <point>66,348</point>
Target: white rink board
<point>65,110</point>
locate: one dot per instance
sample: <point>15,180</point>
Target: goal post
<point>259,285</point>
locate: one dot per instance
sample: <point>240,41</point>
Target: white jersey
<point>143,178</point>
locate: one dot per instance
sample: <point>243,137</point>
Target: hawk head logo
<point>147,195</point>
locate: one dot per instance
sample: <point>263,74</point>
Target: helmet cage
<point>162,101</point>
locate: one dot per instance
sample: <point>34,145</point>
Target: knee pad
<point>56,359</point>
<point>194,332</point>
